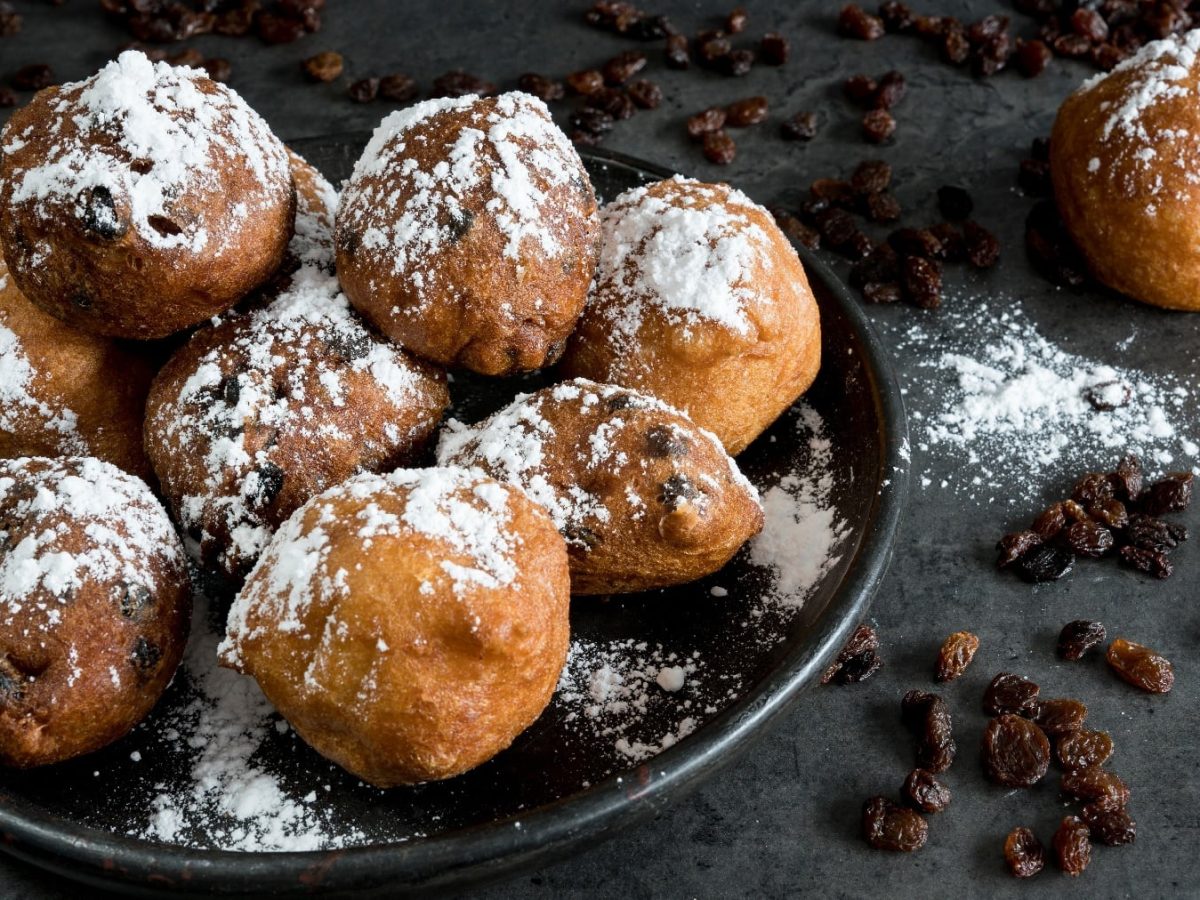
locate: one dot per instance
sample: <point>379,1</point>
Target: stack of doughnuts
<point>405,609</point>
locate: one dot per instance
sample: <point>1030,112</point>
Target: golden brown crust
<point>430,654</point>
<point>478,257</point>
<point>121,235</point>
<point>65,392</point>
<point>1126,174</point>
<point>259,413</point>
<point>89,642</point>
<point>740,357</point>
<point>644,498</point>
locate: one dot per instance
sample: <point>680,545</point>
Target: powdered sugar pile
<point>1008,406</point>
<point>148,136</point>
<point>682,249</point>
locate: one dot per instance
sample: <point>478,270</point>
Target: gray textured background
<point>783,820</point>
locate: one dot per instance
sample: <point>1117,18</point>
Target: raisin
<point>1150,533</point>
<point>8,97</point>
<point>858,246</point>
<point>1050,248</point>
<point>1032,57</point>
<point>711,49</point>
<point>916,242</point>
<point>891,90</point>
<point>1108,395</point>
<point>983,250</point>
<point>1045,563</point>
<point>796,230</point>
<point>882,265</point>
<point>922,282</point>
<point>1051,521</point>
<point>651,28</point>
<point>1033,176</point>
<point>645,94</point>
<point>719,148</point>
<point>1149,562</point>
<point>1096,785</point>
<point>364,90</point>
<point>326,66</point>
<point>1111,513</point>
<point>888,826</point>
<point>1111,827</point>
<point>678,490</point>
<point>1016,752</point>
<point>861,89</point>
<point>837,228</point>
<point>800,127</point>
<point>987,28</point>
<point>1010,694</point>
<point>1088,539</point>
<point>190,57</point>
<point>1072,845</point>
<point>878,125</point>
<point>33,77</point>
<point>882,292</point>
<point>545,89</point>
<point>710,121</point>
<point>896,16</point>
<point>735,22</point>
<point>955,48</point>
<point>955,655</point>
<point>1141,666</point>
<point>1092,488</point>
<point>871,177</point>
<point>398,88</point>
<point>145,655</point>
<point>218,69</point>
<point>837,192</point>
<point>1023,853</point>
<point>924,792</point>
<point>1078,750</point>
<point>592,122</point>
<point>1075,512</point>
<point>585,82</point>
<point>738,62</point>
<point>882,207</point>
<point>856,22</point>
<point>1090,24</point>
<point>954,203</point>
<point>616,103</point>
<point>276,29</point>
<point>100,215</point>
<point>1078,637</point>
<point>457,83</point>
<point>623,66</point>
<point>678,54</point>
<point>10,20</point>
<point>746,112</point>
<point>268,486</point>
<point>774,49</point>
<point>864,640</point>
<point>134,598</point>
<point>1127,479</point>
<point>1172,494</point>
<point>1057,717</point>
<point>1014,546</point>
<point>1107,56</point>
<point>929,717</point>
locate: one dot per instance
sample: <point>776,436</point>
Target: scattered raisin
<point>922,281</point>
<point>1127,480</point>
<point>1072,846</point>
<point>882,292</point>
<point>1023,853</point>
<point>856,22</point>
<point>896,16</point>
<point>881,265</point>
<point>954,203</point>
<point>1111,827</point>
<point>735,22</point>
<point>457,83</point>
<point>1111,513</point>
<point>10,20</point>
<point>746,112</point>
<point>924,792</point>
<point>1016,752</point>
<point>796,230</point>
<point>1096,785</point>
<point>711,49</point>
<point>864,642</point>
<point>800,127</point>
<point>398,88</point>
<point>1010,694</point>
<point>1108,395</point>
<point>7,97</point>
<point>1090,24</point>
<point>883,207</point>
<point>861,89</point>
<point>678,54</point>
<point>983,250</point>
<point>738,62</point>
<point>774,49</point>
<point>364,90</point>
<point>1033,176</point>
<point>888,826</point>
<point>1171,494</point>
<point>33,77</point>
<point>545,89</point>
<point>615,102</point>
<point>719,148</point>
<point>1060,716</point>
<point>591,122</point>
<point>1088,539</point>
<point>891,90</point>
<point>1083,750</point>
<point>955,655</point>
<point>955,48</point>
<point>1014,546</point>
<point>623,66</point>
<point>708,122</point>
<point>646,94</point>
<point>325,66</point>
<point>1050,522</point>
<point>929,717</point>
<point>1150,533</point>
<point>1032,57</point>
<point>1078,637</point>
<point>1045,563</point>
<point>878,125</point>
<point>1149,562</point>
<point>1141,666</point>
<point>871,176</point>
<point>916,242</point>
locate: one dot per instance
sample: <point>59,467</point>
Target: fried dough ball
<point>700,301</point>
<point>1126,171</point>
<point>94,606</point>
<point>409,626</point>
<point>142,200</point>
<point>65,392</point>
<point>256,414</point>
<point>316,206</point>
<point>467,233</point>
<point>644,498</point>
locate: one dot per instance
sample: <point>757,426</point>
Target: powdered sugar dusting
<point>20,409</point>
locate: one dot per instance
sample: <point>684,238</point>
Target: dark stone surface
<point>784,819</point>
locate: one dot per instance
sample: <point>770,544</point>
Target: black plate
<point>556,787</point>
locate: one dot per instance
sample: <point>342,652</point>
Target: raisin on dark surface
<point>1034,177</point>
<point>896,16</point>
<point>678,54</point>
<point>837,228</point>
<point>1171,494</point>
<point>1032,57</point>
<point>586,81</point>
<point>924,792</point>
<point>955,655</point>
<point>857,661</point>
<point>735,22</point>
<point>8,97</point>
<point>878,125</point>
<point>623,66</point>
<point>922,281</point>
<point>1141,666</point>
<point>774,49</point>
<point>1072,845</point>
<point>1088,539</point>
<point>708,122</point>
<point>1108,395</point>
<point>1090,24</point>
<point>955,48</point>
<point>882,292</point>
<point>719,148</point>
<point>646,94</point>
<point>711,49</point>
<point>33,77</point>
<point>1127,480</point>
<point>738,62</point>
<point>1096,785</point>
<point>1059,716</point>
<point>1045,563</point>
<point>545,89</point>
<point>747,111</point>
<point>364,90</point>
<point>1050,521</point>
<point>1078,637</point>
<point>983,249</point>
<point>954,203</point>
<point>871,176</point>
<point>1092,488</point>
<point>1111,827</point>
<point>457,83</point>
<point>1150,533</point>
<point>1051,249</point>
<point>10,20</point>
<point>929,718</point>
<point>218,69</point>
<point>1010,694</point>
<point>589,121</point>
<point>856,22</point>
<point>325,66</point>
<point>1083,749</point>
<point>1016,752</point>
<point>916,242</point>
<point>861,89</point>
<point>1111,513</point>
<point>888,826</point>
<point>398,88</point>
<point>882,207</point>
<point>800,127</point>
<point>1014,546</point>
<point>615,102</point>
<point>1149,562</point>
<point>882,265</point>
<point>891,90</point>
<point>796,230</point>
<point>1023,853</point>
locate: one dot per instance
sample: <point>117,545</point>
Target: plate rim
<point>491,850</point>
